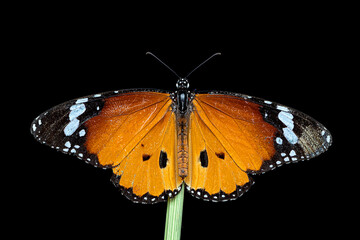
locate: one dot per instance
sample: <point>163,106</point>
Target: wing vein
<point>117,129</point>
<point>214,136</point>
<point>203,137</point>
<point>143,136</point>
<point>118,115</point>
<point>254,122</point>
<point>222,134</point>
<point>241,129</point>
<point>162,142</point>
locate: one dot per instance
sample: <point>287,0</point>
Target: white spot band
<point>287,119</point>
<point>71,127</point>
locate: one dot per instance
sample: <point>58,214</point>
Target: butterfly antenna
<point>149,53</point>
<point>203,63</point>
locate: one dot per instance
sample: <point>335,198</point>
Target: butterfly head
<point>182,84</point>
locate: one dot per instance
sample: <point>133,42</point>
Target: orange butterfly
<point>154,141</point>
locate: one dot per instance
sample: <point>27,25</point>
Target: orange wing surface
<point>213,172</point>
<point>234,135</point>
<point>135,135</point>
<point>228,137</point>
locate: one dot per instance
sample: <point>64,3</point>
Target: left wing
<point>130,131</point>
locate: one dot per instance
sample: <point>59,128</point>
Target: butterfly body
<point>182,100</point>
<point>182,126</point>
<point>154,140</point>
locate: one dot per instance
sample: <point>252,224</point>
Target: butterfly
<point>155,140</point>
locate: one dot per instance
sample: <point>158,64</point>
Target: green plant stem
<point>174,216</point>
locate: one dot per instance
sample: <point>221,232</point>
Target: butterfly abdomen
<point>182,145</point>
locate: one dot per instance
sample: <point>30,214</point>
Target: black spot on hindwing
<point>220,155</point>
<point>146,157</point>
<point>163,159</point>
<point>204,159</point>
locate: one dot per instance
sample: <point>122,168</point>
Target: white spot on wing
<point>71,127</point>
<point>82,133</point>
<point>76,110</point>
<point>81,100</point>
<point>292,153</point>
<point>68,144</point>
<point>290,135</point>
<point>286,118</point>
<point>282,108</point>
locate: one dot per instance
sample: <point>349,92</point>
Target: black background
<point>300,61</point>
